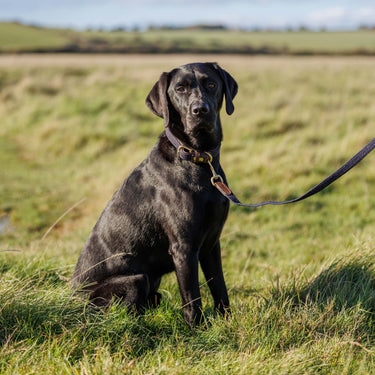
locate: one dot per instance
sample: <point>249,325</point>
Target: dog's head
<point>191,97</point>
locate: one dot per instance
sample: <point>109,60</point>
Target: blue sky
<point>330,14</point>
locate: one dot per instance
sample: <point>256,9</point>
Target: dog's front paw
<point>193,317</point>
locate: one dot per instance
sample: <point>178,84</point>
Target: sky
<point>248,14</point>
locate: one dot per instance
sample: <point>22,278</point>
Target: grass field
<point>287,42</point>
<point>16,37</point>
<point>21,38</point>
<point>301,278</point>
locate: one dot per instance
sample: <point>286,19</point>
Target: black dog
<point>167,215</point>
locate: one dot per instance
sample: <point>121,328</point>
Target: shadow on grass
<point>43,320</point>
<point>346,286</point>
<point>339,302</point>
<point>42,317</point>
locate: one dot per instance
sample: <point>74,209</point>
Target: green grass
<point>16,37</point>
<point>301,278</point>
<point>20,38</point>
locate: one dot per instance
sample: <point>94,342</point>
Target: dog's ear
<point>230,88</point>
<point>157,99</point>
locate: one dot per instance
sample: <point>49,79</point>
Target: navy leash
<point>187,153</point>
<point>317,188</point>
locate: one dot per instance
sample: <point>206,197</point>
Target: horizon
<point>202,27</point>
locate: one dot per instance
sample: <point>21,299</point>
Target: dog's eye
<point>211,85</point>
<point>181,89</point>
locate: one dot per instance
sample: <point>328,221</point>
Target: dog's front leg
<point>213,271</point>
<point>186,267</point>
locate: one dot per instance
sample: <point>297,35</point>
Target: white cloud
<point>365,15</point>
<point>336,14</point>
<point>341,17</point>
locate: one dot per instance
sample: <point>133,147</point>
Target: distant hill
<point>15,37</point>
<point>19,38</point>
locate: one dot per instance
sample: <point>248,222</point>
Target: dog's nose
<point>200,108</point>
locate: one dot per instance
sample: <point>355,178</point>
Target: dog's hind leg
<point>133,290</point>
<point>154,297</point>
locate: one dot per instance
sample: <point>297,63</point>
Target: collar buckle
<point>187,153</point>
<point>184,149</point>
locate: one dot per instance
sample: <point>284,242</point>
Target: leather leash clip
<point>187,153</point>
<point>218,182</point>
<point>215,176</point>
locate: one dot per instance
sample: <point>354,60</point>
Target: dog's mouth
<point>204,129</point>
<point>202,124</point>
<point>201,128</point>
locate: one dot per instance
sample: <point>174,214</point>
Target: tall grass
<point>301,278</point>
